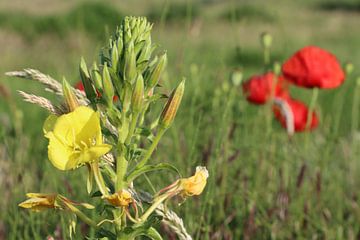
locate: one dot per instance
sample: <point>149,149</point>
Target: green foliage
<point>249,13</point>
<point>90,17</point>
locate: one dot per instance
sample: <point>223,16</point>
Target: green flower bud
<point>108,86</point>
<point>86,80</point>
<point>277,68</point>
<point>126,97</point>
<point>169,112</point>
<point>349,68</point>
<point>69,96</point>
<point>236,77</point>
<point>96,76</point>
<point>138,94</point>
<point>266,40</point>
<point>130,63</point>
<point>157,71</point>
<point>114,58</point>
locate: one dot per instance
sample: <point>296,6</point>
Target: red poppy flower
<point>299,115</point>
<point>258,88</point>
<point>80,86</point>
<point>313,67</point>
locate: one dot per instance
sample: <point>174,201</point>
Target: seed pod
<point>108,86</point>
<point>158,70</point>
<point>138,94</point>
<point>236,77</point>
<point>169,112</point>
<point>69,96</point>
<point>349,68</point>
<point>86,80</point>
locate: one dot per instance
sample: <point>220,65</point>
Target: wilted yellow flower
<point>39,201</point>
<point>120,199</point>
<point>75,138</point>
<point>194,185</point>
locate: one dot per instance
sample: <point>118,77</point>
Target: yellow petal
<point>93,153</point>
<point>59,153</point>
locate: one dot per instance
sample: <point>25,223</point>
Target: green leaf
<point>150,168</point>
<point>101,233</point>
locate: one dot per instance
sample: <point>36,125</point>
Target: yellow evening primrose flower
<point>39,201</point>
<point>194,185</point>
<point>75,138</point>
<point>120,199</point>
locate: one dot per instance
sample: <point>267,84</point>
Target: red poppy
<point>313,67</point>
<point>80,86</point>
<point>299,113</point>
<point>258,88</point>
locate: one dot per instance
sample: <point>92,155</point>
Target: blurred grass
<point>262,185</point>
<point>92,17</point>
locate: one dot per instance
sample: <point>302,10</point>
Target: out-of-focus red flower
<point>312,67</point>
<point>258,88</point>
<point>299,112</point>
<point>80,86</point>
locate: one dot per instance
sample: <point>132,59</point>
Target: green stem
<point>314,97</point>
<point>82,216</point>
<point>151,148</point>
<point>153,207</point>
<point>121,167</point>
<point>266,56</point>
<point>355,111</point>
<point>99,178</point>
<point>132,127</point>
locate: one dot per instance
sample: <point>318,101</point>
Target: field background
<point>262,185</point>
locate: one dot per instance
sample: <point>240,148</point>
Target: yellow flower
<point>120,199</point>
<point>194,185</point>
<point>39,201</point>
<point>75,138</point>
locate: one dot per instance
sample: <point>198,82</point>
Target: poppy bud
<point>138,94</point>
<point>158,70</point>
<point>130,63</point>
<point>266,40</point>
<point>70,98</point>
<point>349,68</point>
<point>172,105</point>
<point>108,86</point>
<point>277,68</point>
<point>86,80</point>
<point>236,78</point>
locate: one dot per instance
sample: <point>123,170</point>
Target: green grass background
<point>262,185</point>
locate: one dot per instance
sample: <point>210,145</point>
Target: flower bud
<point>86,80</point>
<point>277,68</point>
<point>114,58</point>
<point>69,96</point>
<point>39,201</point>
<point>168,114</point>
<point>138,94</point>
<point>157,71</point>
<point>349,68</point>
<point>130,63</point>
<point>108,86</point>
<point>96,76</point>
<point>236,77</point>
<point>266,40</point>
<point>126,97</point>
